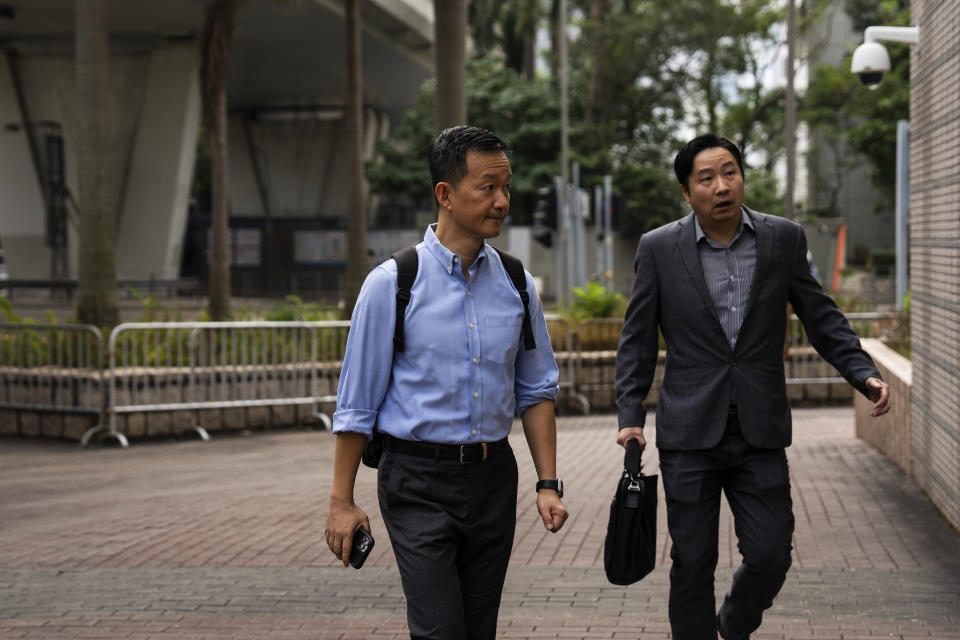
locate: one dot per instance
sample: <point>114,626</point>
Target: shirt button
<point>456,259</point>
<point>471,325</point>
<point>468,291</point>
<point>474,361</point>
<point>474,432</point>
<point>476,395</point>
<point>733,308</point>
<point>449,269</point>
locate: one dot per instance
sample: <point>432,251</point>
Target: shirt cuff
<point>358,420</point>
<point>536,397</point>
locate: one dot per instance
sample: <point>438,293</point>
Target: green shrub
<point>593,301</point>
<point>293,308</point>
<point>882,261</point>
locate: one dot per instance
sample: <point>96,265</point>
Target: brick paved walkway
<point>222,540</point>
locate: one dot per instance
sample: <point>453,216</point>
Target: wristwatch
<point>556,485</point>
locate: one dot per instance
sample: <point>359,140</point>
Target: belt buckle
<point>483,456</point>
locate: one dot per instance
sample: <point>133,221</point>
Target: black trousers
<point>756,483</point>
<point>451,526</point>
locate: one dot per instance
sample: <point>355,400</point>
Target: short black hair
<point>448,153</point>
<point>683,163</point>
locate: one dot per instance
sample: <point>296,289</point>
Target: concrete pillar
<point>154,212</point>
<point>21,200</point>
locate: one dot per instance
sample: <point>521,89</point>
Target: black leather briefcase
<point>630,549</point>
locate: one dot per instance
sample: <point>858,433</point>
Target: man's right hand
<point>631,433</point>
<point>343,520</point>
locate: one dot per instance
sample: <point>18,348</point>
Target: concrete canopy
<point>288,62</point>
<point>286,52</point>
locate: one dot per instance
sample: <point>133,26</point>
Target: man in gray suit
<point>716,283</point>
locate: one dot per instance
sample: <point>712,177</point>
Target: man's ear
<point>442,191</point>
<point>685,192</point>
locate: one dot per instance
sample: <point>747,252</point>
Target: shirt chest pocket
<point>501,338</point>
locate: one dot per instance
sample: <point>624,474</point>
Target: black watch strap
<point>556,485</point>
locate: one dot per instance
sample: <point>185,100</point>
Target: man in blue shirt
<point>447,481</point>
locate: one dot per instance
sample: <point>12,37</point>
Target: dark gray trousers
<point>451,526</point>
<point>756,483</point>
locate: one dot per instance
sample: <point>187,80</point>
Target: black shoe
<point>723,633</point>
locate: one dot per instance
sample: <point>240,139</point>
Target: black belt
<point>462,453</point>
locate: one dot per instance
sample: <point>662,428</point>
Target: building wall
<point>935,251</point>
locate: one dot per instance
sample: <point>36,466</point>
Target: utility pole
<point>563,195</point>
<point>790,116</point>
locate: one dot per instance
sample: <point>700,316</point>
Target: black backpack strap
<point>515,270</point>
<point>406,273</point>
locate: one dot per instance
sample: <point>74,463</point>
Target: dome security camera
<point>870,62</point>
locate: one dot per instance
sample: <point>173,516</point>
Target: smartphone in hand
<point>362,545</point>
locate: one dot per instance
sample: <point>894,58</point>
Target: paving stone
<point>185,539</point>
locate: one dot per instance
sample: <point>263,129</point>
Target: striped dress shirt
<point>729,273</point>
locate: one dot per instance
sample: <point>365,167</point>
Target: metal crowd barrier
<point>193,366</point>
<point>805,366</point>
<point>52,368</point>
<point>561,339</point>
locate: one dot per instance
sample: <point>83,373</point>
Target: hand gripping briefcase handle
<point>630,548</point>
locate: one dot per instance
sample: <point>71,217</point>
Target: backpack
<point>407,266</point>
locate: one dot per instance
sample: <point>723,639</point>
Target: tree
<point>450,41</point>
<point>96,172</point>
<point>219,27</point>
<point>357,222</point>
<point>847,114</point>
<point>639,72</point>
<point>509,28</point>
<point>526,115</point>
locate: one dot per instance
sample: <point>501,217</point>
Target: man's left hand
<point>879,393</point>
<point>551,509</point>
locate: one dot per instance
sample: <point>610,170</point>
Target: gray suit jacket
<point>670,293</point>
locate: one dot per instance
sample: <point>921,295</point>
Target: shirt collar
<point>447,259</point>
<point>745,221</point>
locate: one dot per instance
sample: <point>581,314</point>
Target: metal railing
<point>194,366</point>
<point>805,366</point>
<point>52,368</point>
<point>561,340</point>
<point>197,366</point>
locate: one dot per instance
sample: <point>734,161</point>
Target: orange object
<point>840,256</point>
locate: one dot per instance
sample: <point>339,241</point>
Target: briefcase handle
<point>631,459</point>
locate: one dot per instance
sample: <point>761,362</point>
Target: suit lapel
<point>687,247</point>
<point>765,241</point>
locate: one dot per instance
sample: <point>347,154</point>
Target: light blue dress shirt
<point>464,373</point>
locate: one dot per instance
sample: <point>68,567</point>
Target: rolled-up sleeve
<point>369,355</point>
<point>537,375</point>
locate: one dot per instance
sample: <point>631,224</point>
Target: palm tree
<point>96,173</point>
<point>357,221</point>
<point>218,29</point>
<point>450,36</point>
